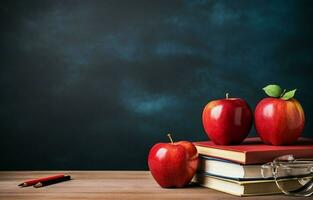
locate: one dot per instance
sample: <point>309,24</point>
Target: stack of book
<point>236,169</point>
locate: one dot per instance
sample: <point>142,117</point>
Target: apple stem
<point>227,95</point>
<point>170,137</point>
<point>282,94</point>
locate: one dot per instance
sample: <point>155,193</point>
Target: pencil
<point>35,181</point>
<point>52,181</point>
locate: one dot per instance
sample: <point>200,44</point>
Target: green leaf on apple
<point>289,95</point>
<point>273,90</point>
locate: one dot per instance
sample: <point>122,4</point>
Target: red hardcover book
<point>253,151</point>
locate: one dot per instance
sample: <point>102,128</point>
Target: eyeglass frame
<point>289,162</point>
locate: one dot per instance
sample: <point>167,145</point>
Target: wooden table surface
<point>105,185</point>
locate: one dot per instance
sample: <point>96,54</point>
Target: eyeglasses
<point>292,176</point>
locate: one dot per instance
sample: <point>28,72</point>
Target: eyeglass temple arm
<point>305,188</point>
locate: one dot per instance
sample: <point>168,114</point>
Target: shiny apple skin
<point>279,122</point>
<point>173,164</point>
<point>227,121</point>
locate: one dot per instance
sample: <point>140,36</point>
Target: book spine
<point>261,157</point>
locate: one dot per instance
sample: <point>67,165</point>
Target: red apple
<point>227,121</point>
<point>280,120</point>
<point>173,164</point>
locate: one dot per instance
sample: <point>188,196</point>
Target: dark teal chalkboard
<point>94,84</point>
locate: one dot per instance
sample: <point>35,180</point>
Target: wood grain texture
<point>105,185</point>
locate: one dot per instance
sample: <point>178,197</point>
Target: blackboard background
<point>94,84</point>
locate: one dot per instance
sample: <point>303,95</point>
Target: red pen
<point>35,181</point>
